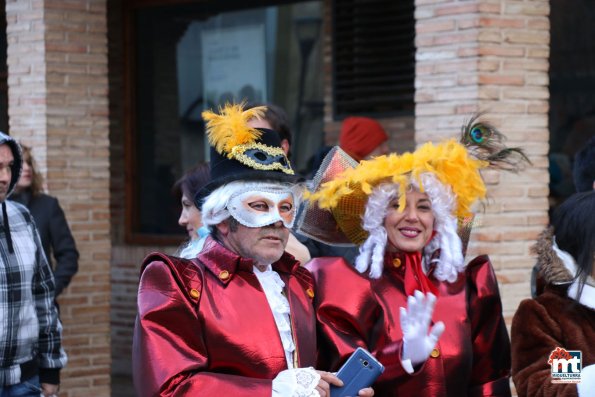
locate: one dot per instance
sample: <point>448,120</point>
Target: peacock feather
<point>230,127</point>
<point>486,143</point>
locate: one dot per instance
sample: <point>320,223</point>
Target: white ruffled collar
<point>273,288</point>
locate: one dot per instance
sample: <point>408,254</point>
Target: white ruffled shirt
<point>293,382</point>
<point>273,289</point>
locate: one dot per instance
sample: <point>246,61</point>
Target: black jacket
<point>55,235</point>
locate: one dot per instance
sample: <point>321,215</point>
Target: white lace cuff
<point>296,382</point>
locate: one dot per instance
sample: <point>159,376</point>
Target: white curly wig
<point>450,262</point>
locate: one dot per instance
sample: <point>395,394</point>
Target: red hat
<point>360,136</point>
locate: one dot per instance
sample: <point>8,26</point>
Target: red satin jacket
<point>216,336</point>
<point>472,357</point>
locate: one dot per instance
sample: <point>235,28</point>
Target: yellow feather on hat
<point>230,127</point>
<point>343,188</point>
<point>449,161</point>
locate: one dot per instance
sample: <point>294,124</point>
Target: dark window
<point>186,58</point>
<point>572,90</point>
<point>373,57</point>
<point>3,72</point>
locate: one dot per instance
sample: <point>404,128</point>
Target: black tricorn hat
<point>242,153</point>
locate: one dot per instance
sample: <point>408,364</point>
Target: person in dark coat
<point>51,223</point>
<point>560,320</point>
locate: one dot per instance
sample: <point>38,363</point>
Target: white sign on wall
<point>234,65</point>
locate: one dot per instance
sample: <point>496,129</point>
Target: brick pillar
<point>58,103</point>
<point>492,56</point>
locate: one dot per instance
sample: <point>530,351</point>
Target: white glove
<point>415,320</point>
<point>296,382</point>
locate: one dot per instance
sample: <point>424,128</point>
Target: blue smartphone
<point>359,371</point>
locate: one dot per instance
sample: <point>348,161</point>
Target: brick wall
<point>492,56</point>
<point>57,63</point>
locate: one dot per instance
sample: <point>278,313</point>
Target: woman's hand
<point>415,321</point>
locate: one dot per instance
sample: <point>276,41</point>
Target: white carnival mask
<point>263,207</point>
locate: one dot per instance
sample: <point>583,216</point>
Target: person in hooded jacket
<point>31,355</point>
<point>562,318</point>
<point>51,223</point>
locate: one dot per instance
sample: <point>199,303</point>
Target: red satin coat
<point>227,344</point>
<point>473,353</point>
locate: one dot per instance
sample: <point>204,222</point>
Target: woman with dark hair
<point>49,217</point>
<point>190,218</point>
<point>561,319</point>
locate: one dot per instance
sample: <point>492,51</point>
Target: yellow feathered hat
<point>456,164</point>
<point>345,196</point>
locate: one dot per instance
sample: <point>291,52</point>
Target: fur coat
<point>556,318</point>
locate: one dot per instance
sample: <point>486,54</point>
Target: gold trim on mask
<point>237,153</point>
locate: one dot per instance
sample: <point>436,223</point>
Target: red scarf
<point>415,278</point>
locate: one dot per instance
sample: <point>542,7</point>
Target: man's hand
<point>327,379</point>
<point>49,390</point>
<point>415,321</point>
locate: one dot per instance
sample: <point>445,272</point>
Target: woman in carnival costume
<point>561,319</point>
<point>434,322</point>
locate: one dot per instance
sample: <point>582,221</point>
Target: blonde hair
<point>36,178</point>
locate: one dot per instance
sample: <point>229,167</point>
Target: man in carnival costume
<point>238,319</point>
<point>435,323</point>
